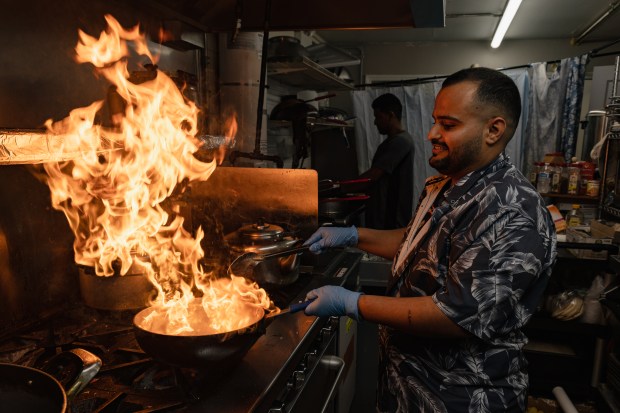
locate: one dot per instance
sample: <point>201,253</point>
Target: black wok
<point>212,351</point>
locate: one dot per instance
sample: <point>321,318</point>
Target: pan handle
<point>283,253</point>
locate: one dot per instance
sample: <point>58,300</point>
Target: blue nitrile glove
<point>330,237</point>
<point>333,301</point>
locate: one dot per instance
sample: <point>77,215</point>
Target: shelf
<point>572,327</point>
<point>585,198</point>
<point>315,123</point>
<point>301,72</point>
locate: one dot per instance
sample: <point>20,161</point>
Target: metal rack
<point>612,136</point>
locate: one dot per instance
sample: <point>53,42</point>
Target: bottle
<point>543,181</point>
<point>575,216</point>
<point>574,179</point>
<point>555,178</point>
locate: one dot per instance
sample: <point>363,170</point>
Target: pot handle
<point>283,253</point>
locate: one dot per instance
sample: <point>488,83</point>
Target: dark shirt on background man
<point>391,172</point>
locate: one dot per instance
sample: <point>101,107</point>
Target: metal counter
<point>253,385</point>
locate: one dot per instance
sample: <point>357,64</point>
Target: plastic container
<point>543,179</point>
<point>592,187</point>
<point>556,172</point>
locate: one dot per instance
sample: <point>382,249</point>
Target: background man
<point>391,172</point>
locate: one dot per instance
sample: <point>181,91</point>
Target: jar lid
<point>261,231</point>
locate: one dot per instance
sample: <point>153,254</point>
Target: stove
<point>270,378</point>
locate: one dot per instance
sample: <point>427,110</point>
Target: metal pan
<point>29,390</point>
<point>337,207</point>
<point>213,351</point>
<point>327,185</point>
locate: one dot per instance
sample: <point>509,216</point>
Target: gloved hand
<point>329,237</point>
<point>333,301</point>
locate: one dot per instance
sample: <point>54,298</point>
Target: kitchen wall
<point>39,78</point>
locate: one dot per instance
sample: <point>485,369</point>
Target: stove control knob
<point>278,407</point>
<point>310,358</point>
<point>299,378</point>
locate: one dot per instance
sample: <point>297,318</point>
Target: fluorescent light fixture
<point>504,23</point>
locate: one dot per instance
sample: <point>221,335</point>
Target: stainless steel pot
<point>117,292</point>
<point>262,238</point>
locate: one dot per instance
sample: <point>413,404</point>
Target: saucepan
<point>335,207</point>
<point>29,390</point>
<point>257,266</point>
<point>206,351</point>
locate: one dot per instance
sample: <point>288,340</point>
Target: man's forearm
<point>418,316</point>
<point>383,243</point>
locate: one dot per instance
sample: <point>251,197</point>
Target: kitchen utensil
<point>336,207</point>
<point>263,238</point>
<point>293,308</point>
<point>345,186</point>
<point>243,265</point>
<point>285,46</point>
<point>210,351</point>
<point>29,390</point>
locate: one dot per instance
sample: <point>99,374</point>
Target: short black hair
<point>388,103</point>
<point>494,88</point>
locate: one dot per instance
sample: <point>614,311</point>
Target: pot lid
<point>261,231</point>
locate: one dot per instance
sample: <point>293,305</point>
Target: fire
<point>113,195</point>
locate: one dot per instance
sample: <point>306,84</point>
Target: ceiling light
<point>504,23</point>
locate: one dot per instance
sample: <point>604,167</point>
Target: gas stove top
<point>130,381</point>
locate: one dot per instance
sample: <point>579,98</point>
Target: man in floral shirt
<point>469,270</point>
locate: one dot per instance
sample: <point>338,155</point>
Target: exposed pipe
<point>612,7</point>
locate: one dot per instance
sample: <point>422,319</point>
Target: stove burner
<point>129,380</point>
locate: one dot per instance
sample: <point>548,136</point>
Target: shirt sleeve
<point>495,283</point>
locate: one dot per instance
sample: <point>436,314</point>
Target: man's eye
<point>447,126</point>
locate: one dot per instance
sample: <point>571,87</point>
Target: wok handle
<point>300,306</point>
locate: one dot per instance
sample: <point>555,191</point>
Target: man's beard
<point>458,159</point>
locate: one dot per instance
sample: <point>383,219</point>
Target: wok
<point>211,351</point>
<point>220,350</point>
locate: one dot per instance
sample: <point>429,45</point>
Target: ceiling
<point>476,20</point>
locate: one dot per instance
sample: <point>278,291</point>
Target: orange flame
<point>112,196</point>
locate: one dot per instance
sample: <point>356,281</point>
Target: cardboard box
<point>604,229</point>
<point>582,237</point>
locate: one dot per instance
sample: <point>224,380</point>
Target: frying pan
<point>329,186</point>
<point>212,351</point>
<point>29,390</point>
<point>336,207</point>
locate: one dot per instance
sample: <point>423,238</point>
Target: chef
<point>469,269</point>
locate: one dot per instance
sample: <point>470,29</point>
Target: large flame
<point>112,196</point>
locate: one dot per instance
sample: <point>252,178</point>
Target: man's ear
<point>496,127</point>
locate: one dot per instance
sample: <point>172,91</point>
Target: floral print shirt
<point>485,260</point>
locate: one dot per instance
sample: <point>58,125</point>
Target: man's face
<point>458,132</point>
<point>382,121</point>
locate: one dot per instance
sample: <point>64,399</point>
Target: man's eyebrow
<point>447,117</point>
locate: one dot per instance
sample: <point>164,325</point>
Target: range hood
<point>250,15</point>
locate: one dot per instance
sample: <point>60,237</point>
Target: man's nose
<point>433,133</point>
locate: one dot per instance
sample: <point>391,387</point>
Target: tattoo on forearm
<point>409,317</point>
